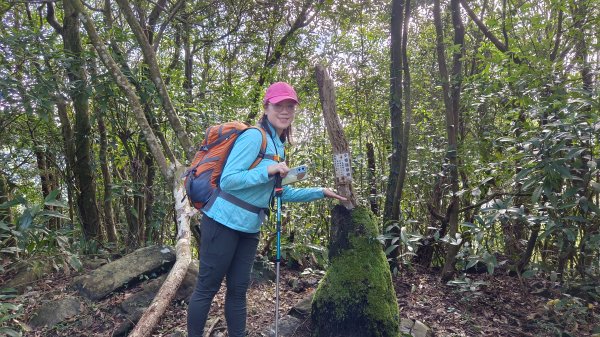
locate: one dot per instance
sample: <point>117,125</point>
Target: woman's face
<point>281,114</point>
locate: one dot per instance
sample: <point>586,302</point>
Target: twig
<point>212,327</point>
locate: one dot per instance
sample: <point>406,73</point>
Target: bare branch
<point>501,46</point>
<point>51,18</point>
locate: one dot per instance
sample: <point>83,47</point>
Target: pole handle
<point>278,185</point>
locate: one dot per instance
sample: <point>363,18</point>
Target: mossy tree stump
<point>356,297</point>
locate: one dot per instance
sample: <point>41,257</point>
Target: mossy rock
<point>356,298</point>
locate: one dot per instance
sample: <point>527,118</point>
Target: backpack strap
<point>263,149</point>
<point>218,193</point>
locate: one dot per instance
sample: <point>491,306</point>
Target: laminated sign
<point>342,167</point>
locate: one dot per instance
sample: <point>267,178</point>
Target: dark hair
<point>285,136</point>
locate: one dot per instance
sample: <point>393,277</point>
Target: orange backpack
<point>204,173</point>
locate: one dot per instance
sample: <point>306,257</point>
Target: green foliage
<point>9,314</point>
<point>29,236</point>
<point>528,131</point>
<point>466,284</point>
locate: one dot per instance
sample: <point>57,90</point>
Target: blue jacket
<point>253,186</point>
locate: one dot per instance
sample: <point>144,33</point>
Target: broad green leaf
<point>25,220</point>
<point>570,234</point>
<point>134,212</point>
<point>10,332</point>
<point>390,249</point>
<point>535,197</point>
<point>563,171</point>
<point>51,196</point>
<point>54,214</point>
<point>75,263</point>
<point>57,203</point>
<point>17,201</point>
<point>528,273</point>
<point>471,263</point>
<point>4,226</point>
<point>522,174</point>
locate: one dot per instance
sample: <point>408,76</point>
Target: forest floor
<point>483,305</point>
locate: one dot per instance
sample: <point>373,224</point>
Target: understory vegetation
<point>474,128</point>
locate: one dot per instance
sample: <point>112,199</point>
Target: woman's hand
<point>331,194</point>
<point>280,168</point>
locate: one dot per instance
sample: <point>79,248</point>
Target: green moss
<point>356,296</point>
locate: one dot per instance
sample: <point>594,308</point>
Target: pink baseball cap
<point>278,92</point>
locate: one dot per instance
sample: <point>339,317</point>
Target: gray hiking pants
<point>224,252</point>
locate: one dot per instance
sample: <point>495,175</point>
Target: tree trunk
<point>273,56</point>
<point>341,150</point>
<point>580,10</point>
<point>149,196</point>
<point>48,182</point>
<point>67,138</point>
<point>109,218</point>
<point>451,91</point>
<point>372,178</point>
<point>5,195</point>
<point>356,298</point>
<point>170,173</point>
<point>400,88</point>
<point>390,215</point>
<point>83,169</point>
<point>156,77</point>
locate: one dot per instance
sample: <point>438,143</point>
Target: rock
<point>94,263</point>
<point>54,312</point>
<point>297,285</point>
<point>262,271</point>
<point>86,322</point>
<point>104,280</point>
<point>27,274</point>
<point>414,328</point>
<point>287,327</point>
<point>406,325</point>
<point>302,309</point>
<point>133,307</point>
<point>421,330</point>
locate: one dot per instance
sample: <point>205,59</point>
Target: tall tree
<point>170,172</point>
<point>78,91</point>
<point>451,86</point>
<point>391,199</point>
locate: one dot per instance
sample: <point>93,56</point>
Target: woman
<point>230,233</point>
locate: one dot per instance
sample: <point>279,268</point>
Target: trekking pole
<point>278,192</point>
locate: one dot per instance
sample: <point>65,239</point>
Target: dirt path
<point>481,306</point>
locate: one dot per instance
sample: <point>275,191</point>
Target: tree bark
<point>109,218</point>
<point>156,77</point>
<point>340,147</point>
<point>503,47</point>
<point>273,56</point>
<point>149,198</point>
<point>372,178</point>
<point>390,214</point>
<point>170,173</point>
<point>83,169</point>
<point>67,138</point>
<point>5,195</point>
<point>451,90</point>
<point>399,100</point>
